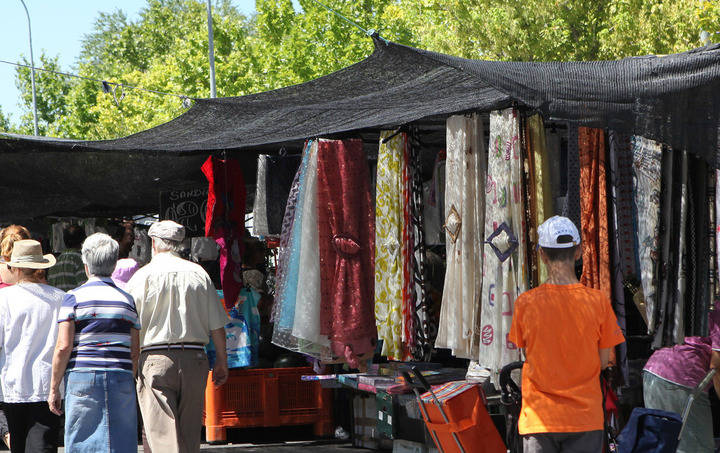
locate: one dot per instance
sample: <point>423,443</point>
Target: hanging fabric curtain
<point>647,174</point>
<point>571,209</point>
<point>389,242</point>
<point>346,243</point>
<point>420,347</point>
<point>593,210</point>
<point>225,220</point>
<point>408,287</point>
<point>623,255</point>
<point>680,282</point>
<point>306,324</point>
<point>297,304</point>
<point>464,227</point>
<point>505,268</point>
<point>288,268</point>
<point>541,196</point>
<point>275,176</point>
<point>260,221</point>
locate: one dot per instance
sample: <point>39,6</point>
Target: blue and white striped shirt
<point>103,316</point>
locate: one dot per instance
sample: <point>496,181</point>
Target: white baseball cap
<point>553,228</point>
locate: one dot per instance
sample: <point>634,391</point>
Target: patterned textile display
<point>542,197</point>
<point>464,235</point>
<point>668,235</point>
<point>621,178</point>
<point>505,273</point>
<point>225,218</point>
<point>678,321</point>
<point>621,232</point>
<point>420,347</point>
<point>593,210</point>
<point>572,199</point>
<point>306,323</point>
<point>347,239</point>
<point>289,259</point>
<point>647,155</point>
<point>388,242</point>
<point>408,287</point>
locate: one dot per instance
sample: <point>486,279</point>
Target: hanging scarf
<point>280,172</point>
<point>464,226</point>
<point>347,235</point>
<point>505,270</point>
<point>647,174</point>
<point>225,220</point>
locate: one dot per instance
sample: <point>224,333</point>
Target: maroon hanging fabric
<point>225,220</point>
<point>346,225</point>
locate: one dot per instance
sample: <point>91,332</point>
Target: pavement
<point>280,447</point>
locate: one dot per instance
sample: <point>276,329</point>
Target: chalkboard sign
<point>186,207</point>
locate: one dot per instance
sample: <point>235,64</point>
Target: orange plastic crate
<point>266,397</point>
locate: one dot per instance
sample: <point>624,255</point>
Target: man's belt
<point>169,346</point>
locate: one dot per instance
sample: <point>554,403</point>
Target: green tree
<point>5,125</point>
<point>542,30</point>
<point>51,91</point>
<point>165,48</point>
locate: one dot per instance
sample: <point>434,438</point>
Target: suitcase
<point>656,431</point>
<point>456,416</point>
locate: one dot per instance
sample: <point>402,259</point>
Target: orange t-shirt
<point>561,328</point>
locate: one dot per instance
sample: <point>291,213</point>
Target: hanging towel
<point>505,269</point>
<point>647,155</point>
<point>388,240</point>
<point>434,201</point>
<point>464,229</point>
<point>347,238</point>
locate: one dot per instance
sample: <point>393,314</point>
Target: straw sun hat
<point>27,253</point>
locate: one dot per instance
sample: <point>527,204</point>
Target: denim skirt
<point>100,412</point>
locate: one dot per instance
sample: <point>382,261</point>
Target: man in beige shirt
<point>179,311</point>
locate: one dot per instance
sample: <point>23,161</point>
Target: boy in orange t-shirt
<point>566,331</point>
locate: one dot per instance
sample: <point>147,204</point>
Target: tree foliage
<point>165,49</point>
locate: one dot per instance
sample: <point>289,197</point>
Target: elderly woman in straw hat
<point>28,313</point>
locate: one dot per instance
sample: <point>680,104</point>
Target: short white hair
<point>166,245</point>
<point>100,254</point>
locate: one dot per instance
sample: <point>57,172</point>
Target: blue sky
<point>57,27</point>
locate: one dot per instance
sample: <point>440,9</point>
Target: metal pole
<point>211,50</point>
<point>32,70</point>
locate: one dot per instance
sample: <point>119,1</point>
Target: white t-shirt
<point>28,331</point>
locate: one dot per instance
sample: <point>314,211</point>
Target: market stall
<point>404,193</point>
